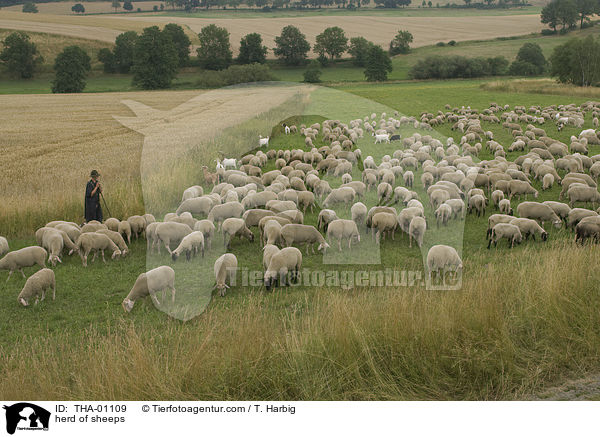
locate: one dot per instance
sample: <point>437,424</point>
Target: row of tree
<point>566,13</point>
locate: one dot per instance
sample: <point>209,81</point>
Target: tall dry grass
<point>541,86</point>
<point>512,329</point>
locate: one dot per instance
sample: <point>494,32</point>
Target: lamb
<point>383,222</point>
<point>138,225</point>
<point>583,194</point>
<point>3,246</point>
<point>36,285</point>
<point>340,229</point>
<point>539,212</point>
<point>191,244</point>
<point>416,230</point>
<point>263,142</point>
<point>326,216</point>
<point>381,138</point>
<point>505,230</point>
<point>529,227</point>
<point>124,228</point>
<point>208,230</point>
<point>518,188</point>
<point>505,207</point>
<point>343,195</point>
<point>547,181</point>
<point>26,257</point>
<point>442,258</point>
<point>96,242</point>
<point>281,263</point>
<point>171,233</point>
<point>225,269</point>
<point>117,239</point>
<point>295,233</point>
<point>359,213</point>
<point>228,210</point>
<point>442,214</point>
<point>112,224</point>
<point>148,284</point>
<point>477,203</point>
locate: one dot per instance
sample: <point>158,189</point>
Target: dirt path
<point>585,389</point>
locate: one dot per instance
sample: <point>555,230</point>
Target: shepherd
<point>93,189</point>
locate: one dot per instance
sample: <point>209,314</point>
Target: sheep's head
<point>557,223</point>
<point>270,279</point>
<point>323,246</point>
<point>116,254</point>
<point>174,256</point>
<point>23,302</point>
<point>535,194</point>
<point>544,236</point>
<point>127,305</point>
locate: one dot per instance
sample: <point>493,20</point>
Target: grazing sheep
<point>416,230</point>
<point>384,193</point>
<point>208,230</point>
<point>72,232</point>
<point>341,229</point>
<point>171,233</point>
<point>578,214</point>
<point>191,244</point>
<point>529,227</point>
<point>112,224</point>
<point>97,242</point>
<point>441,259</point>
<point>442,214</point>
<point>92,227</point>
<point>36,285</point>
<point>458,207</point>
<point>150,283</point>
<point>497,196</point>
<point>288,259</point>
<point>117,239</point>
<point>271,233</point>
<point>227,210</point>
<point>124,228</point>
<point>477,203</point>
<point>235,227</point>
<point>151,238</point>
<point>54,243</point>
<point>191,192</point>
<point>560,209</point>
<point>149,219</point>
<point>26,257</point>
<point>293,215</point>
<point>505,230</point>
<point>409,178</point>
<point>295,233</point>
<point>437,197</point>
<point>198,205</point>
<point>343,195</point>
<point>538,212</point>
<point>138,225</point>
<point>547,181</point>
<point>306,199</point>
<point>326,216</point>
<point>406,215</point>
<point>381,223</point>
<point>3,246</point>
<point>253,216</point>
<point>588,227</point>
<point>225,269</point>
<point>268,251</point>
<point>583,194</point>
<point>505,207</point>
<point>521,188</point>
<point>359,213</point>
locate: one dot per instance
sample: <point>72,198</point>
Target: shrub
<point>452,67</point>
<point>252,49</point>
<point>401,43</point>
<point>233,75</point>
<point>452,43</point>
<point>30,8</point>
<point>548,32</point>
<point>313,73</point>
<point>358,49</point>
<point>441,44</point>
<point>529,53</point>
<point>71,66</point>
<point>107,58</point>
<point>378,64</point>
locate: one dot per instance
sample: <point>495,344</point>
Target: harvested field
<point>379,29</point>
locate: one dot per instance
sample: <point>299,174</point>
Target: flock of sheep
<point>244,195</point>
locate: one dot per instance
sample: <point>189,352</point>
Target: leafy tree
<point>291,46</point>
<point>124,51</point>
<point>155,59</point>
<point>549,15</point>
<point>20,55</point>
<point>585,9</point>
<point>567,13</point>
<point>467,2</point>
<point>530,61</point>
<point>332,42</point>
<point>78,8</point>
<point>181,41</point>
<point>30,7</point>
<point>252,50</point>
<point>127,5</point>
<point>313,72</point>
<point>107,57</point>
<point>115,4</point>
<point>400,43</point>
<point>162,7</point>
<point>71,66</point>
<point>498,65</point>
<point>358,49</point>
<point>379,64</point>
<point>214,52</point>
<point>577,61</point>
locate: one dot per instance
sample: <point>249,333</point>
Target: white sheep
<point>227,210</point>
<point>263,142</point>
<point>268,251</point>
<point>208,230</point>
<point>343,229</point>
<point>138,225</point>
<point>381,223</point>
<point>529,227</point>
<point>539,212</point>
<point>505,230</point>
<point>112,224</point>
<point>148,284</point>
<point>296,233</point>
<point>583,194</point>
<point>191,244</point>
<point>359,214</point>
<point>4,248</point>
<point>171,233</point>
<point>287,260</point>
<point>92,241</point>
<point>124,228</point>
<point>271,233</point>
<point>26,257</point>
<point>225,269</point>
<point>36,285</point>
<point>477,203</point>
<point>442,214</point>
<point>409,178</point>
<point>232,227</point>
<point>505,207</point>
<point>117,239</point>
<point>343,195</point>
<point>441,259</point>
<point>416,230</point>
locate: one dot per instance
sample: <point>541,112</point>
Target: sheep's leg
<point>53,291</point>
<point>154,299</point>
<point>340,244</point>
<point>103,260</point>
<point>167,242</point>
<point>9,273</point>
<point>172,294</point>
<point>24,277</point>
<point>43,295</point>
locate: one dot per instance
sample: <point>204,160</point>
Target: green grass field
<point>524,318</point>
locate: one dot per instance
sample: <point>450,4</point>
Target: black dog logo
<point>30,414</point>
